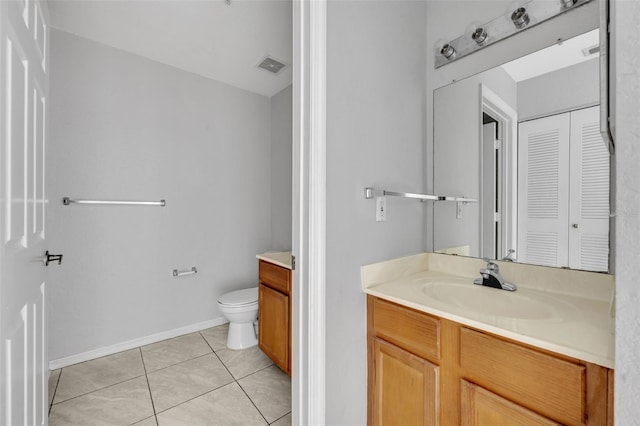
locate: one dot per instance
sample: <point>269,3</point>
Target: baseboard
<point>130,344</point>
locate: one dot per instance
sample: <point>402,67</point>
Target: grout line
<point>146,376</point>
<point>240,386</point>
<point>96,390</point>
<point>207,342</point>
<point>237,380</point>
<point>177,363</point>
<point>195,397</point>
<point>254,404</point>
<point>54,391</point>
<point>278,419</point>
<point>257,371</point>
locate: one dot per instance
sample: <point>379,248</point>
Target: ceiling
<point>224,42</point>
<point>553,58</point>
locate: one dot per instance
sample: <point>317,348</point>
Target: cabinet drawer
<point>411,330</point>
<point>275,276</point>
<point>550,386</point>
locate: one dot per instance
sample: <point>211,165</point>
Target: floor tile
<point>176,384</point>
<point>216,336</point>
<point>283,421</point>
<point>270,391</point>
<point>244,362</point>
<point>225,406</point>
<point>172,351</point>
<point>54,375</point>
<point>120,404</point>
<point>85,377</point>
<point>150,421</point>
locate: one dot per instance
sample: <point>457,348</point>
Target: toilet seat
<point>247,296</point>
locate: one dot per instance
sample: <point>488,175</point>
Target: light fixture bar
<point>520,18</point>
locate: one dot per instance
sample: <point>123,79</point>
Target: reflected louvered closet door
<point>589,207</point>
<point>543,186</point>
<point>563,191</point>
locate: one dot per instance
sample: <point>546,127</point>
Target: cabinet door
<point>405,387</point>
<point>273,316</point>
<point>589,193</point>
<point>479,407</point>
<point>543,190</point>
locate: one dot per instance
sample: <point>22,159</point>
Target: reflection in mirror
<point>524,139</point>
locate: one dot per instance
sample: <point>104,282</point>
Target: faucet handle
<point>491,265</point>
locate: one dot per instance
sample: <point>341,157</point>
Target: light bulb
<point>477,32</point>
<point>444,48</point>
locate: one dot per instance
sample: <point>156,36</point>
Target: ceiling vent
<point>272,65</point>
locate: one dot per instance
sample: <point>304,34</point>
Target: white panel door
<point>24,88</point>
<point>488,202</point>
<point>589,207</point>
<point>543,191</point>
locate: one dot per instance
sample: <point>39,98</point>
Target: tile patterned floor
<point>189,380</point>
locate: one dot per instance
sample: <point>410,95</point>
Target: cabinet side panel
<point>371,367</point>
<point>596,395</point>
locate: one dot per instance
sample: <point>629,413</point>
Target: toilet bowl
<point>240,307</point>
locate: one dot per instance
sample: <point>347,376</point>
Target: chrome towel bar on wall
<point>381,207</point>
<point>373,193</point>
<point>68,201</point>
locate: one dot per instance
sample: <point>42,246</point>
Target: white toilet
<point>240,307</point>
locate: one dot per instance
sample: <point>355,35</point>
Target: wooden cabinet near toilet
<point>274,313</point>
<point>426,370</point>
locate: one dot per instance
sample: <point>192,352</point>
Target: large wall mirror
<point>524,140</point>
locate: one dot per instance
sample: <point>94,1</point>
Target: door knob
<point>52,258</point>
<point>576,225</point>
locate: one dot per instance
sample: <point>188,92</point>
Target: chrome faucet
<point>491,277</point>
<point>510,257</point>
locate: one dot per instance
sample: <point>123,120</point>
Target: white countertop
<point>280,258</point>
<point>569,324</point>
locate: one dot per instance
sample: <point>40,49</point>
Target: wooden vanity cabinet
<point>274,313</point>
<point>435,371</point>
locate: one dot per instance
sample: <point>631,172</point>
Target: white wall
<point>457,150</point>
<point>281,173</point>
<point>124,127</point>
<point>568,89</point>
<point>448,19</point>
<point>627,158</point>
<point>375,137</point>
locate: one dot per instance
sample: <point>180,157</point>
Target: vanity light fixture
<point>520,16</point>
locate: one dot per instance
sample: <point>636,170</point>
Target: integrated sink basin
<point>495,302</point>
